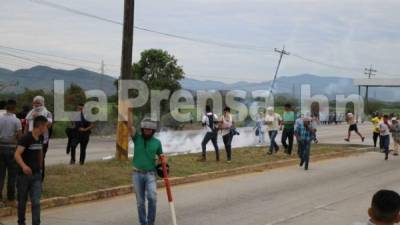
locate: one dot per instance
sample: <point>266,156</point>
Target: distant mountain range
<point>42,77</point>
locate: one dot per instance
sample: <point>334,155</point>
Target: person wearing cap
<point>147,149</point>
<point>10,132</point>
<point>272,120</point>
<point>304,135</point>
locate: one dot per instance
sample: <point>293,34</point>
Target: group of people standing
<point>24,142</point>
<point>384,126</point>
<point>23,146</point>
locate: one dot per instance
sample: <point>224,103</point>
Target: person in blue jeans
<point>384,128</point>
<point>272,120</point>
<point>304,135</point>
<point>146,151</point>
<point>29,157</point>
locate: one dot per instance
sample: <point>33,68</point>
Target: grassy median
<point>64,180</point>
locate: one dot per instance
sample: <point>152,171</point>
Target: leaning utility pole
<point>282,53</point>
<point>126,73</point>
<point>370,73</point>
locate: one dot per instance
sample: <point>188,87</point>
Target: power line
<point>51,55</point>
<point>176,36</point>
<point>353,69</point>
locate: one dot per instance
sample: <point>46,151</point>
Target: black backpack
<point>211,122</point>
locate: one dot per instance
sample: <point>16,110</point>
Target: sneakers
<point>362,139</point>
<point>346,139</point>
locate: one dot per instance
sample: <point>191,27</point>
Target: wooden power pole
<point>126,74</point>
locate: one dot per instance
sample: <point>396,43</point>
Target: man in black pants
<point>209,121</point>
<point>83,129</point>
<point>288,120</point>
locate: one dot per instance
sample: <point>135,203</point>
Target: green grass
<point>64,180</point>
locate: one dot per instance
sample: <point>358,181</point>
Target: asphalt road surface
<point>182,141</point>
<point>333,192</point>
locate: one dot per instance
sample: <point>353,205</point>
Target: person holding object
<point>146,151</point>
<point>226,124</point>
<point>210,122</point>
<point>304,135</point>
<point>272,120</point>
<point>29,157</point>
<point>10,132</point>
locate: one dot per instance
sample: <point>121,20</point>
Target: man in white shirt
<point>384,128</point>
<point>385,209</point>
<point>10,132</point>
<point>210,121</point>
<point>273,121</point>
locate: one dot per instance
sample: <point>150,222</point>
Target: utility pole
<point>126,73</point>
<point>282,53</point>
<point>370,72</point>
<point>102,72</point>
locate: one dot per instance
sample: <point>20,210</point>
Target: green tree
<point>74,95</point>
<point>159,70</point>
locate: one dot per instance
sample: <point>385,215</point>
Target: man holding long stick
<point>146,151</point>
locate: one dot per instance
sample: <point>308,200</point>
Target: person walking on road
<point>351,120</point>
<point>384,128</point>
<point>396,135</point>
<point>29,157</point>
<point>272,120</point>
<point>39,109</point>
<point>385,209</point>
<point>83,128</point>
<point>226,125</point>
<point>260,130</point>
<point>304,135</point>
<point>10,132</point>
<point>210,121</point>
<point>288,120</point>
<point>146,151</point>
<point>375,133</point>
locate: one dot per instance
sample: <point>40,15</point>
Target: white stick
<point>172,208</point>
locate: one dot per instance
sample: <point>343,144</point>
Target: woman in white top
<point>225,125</point>
<point>272,120</point>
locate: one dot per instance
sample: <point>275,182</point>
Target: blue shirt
<point>305,134</point>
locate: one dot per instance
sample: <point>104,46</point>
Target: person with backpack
<point>226,125</point>
<point>209,121</point>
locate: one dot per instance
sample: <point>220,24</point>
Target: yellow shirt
<point>375,121</point>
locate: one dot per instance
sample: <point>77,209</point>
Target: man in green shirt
<point>146,151</point>
<point>288,121</point>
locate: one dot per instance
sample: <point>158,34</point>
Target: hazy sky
<point>347,33</point>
